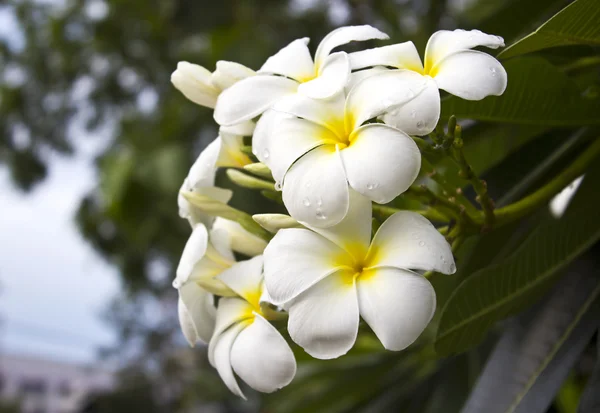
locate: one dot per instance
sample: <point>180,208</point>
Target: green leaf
<point>590,399</point>
<point>536,353</point>
<point>505,288</point>
<point>537,94</point>
<point>578,23</point>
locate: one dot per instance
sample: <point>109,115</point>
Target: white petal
<point>471,75</point>
<point>333,77</point>
<point>262,358</point>
<point>287,139</point>
<point>231,154</point>
<point>203,171</point>
<point>222,357</point>
<point>345,35</point>
<point>250,97</point>
<point>292,61</point>
<point>219,247</point>
<point>275,222</point>
<point>193,252</point>
<point>400,55</point>
<point>356,77</point>
<point>397,305</point>
<point>228,73</point>
<point>376,94</point>
<point>195,83</point>
<point>194,214</point>
<point>353,233</point>
<point>296,259</point>
<point>245,128</point>
<point>325,112</point>
<point>420,115</point>
<point>196,313</point>
<point>245,278</point>
<point>315,190</point>
<point>324,319</point>
<point>381,162</point>
<point>444,42</point>
<point>407,240</point>
<point>231,310</point>
<point>241,240</point>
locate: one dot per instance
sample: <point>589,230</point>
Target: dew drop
<point>452,267</point>
<point>306,202</point>
<point>493,71</point>
<point>394,113</point>
<point>278,186</point>
<point>266,154</point>
<point>420,124</point>
<point>415,235</point>
<point>320,214</point>
<point>319,201</point>
<point>421,243</point>
<point>370,186</point>
<point>176,284</point>
<point>413,114</point>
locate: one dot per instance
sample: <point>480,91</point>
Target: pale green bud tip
<point>248,181</point>
<point>275,222</point>
<point>259,169</point>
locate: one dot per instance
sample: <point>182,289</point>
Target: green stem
<point>431,214</point>
<point>530,203</point>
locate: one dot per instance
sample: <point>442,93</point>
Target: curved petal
<point>222,358</point>
<point>296,259</point>
<point>245,278</point>
<point>194,214</point>
<point>245,128</point>
<point>203,170</point>
<point>420,115</point>
<point>445,42</point>
<point>293,61</point>
<point>286,140</point>
<point>345,35</point>
<point>219,247</point>
<point>250,97</point>
<point>323,320</point>
<point>400,55</point>
<point>356,77</point>
<point>407,240</point>
<point>262,358</point>
<point>381,162</point>
<point>325,112</point>
<point>231,310</point>
<point>471,75</point>
<point>315,190</point>
<point>376,94</point>
<point>353,233</point>
<point>195,83</point>
<point>228,73</point>
<point>241,240</point>
<point>196,313</point>
<point>193,252</point>
<point>333,77</point>
<point>397,305</point>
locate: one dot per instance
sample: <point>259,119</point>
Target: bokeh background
<point>94,145</point>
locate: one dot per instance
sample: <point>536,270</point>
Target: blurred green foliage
<point>100,69</point>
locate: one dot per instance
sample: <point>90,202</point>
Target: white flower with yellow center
<point>293,70</point>
<point>450,64</point>
<point>328,278</point>
<point>203,87</point>
<point>244,342</point>
<point>317,149</point>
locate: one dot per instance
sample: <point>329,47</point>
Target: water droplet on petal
<point>266,154</point>
<point>320,214</point>
<point>176,284</point>
<point>452,267</point>
<point>420,124</point>
<point>319,201</point>
<point>421,243</point>
<point>369,186</point>
<point>394,113</point>
<point>493,71</point>
<point>306,202</point>
<point>278,186</point>
<point>413,114</point>
<point>415,235</point>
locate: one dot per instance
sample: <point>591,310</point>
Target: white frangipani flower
<point>328,278</point>
<point>293,70</point>
<point>450,64</point>
<point>203,87</point>
<point>244,342</point>
<point>317,149</point>
<point>224,151</point>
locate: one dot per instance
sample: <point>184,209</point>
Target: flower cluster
<point>335,134</point>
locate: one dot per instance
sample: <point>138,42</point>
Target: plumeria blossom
<point>318,149</point>
<point>328,278</point>
<point>203,87</point>
<point>292,70</point>
<point>224,151</point>
<point>244,342</point>
<point>450,64</point>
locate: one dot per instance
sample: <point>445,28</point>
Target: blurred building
<point>46,386</point>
